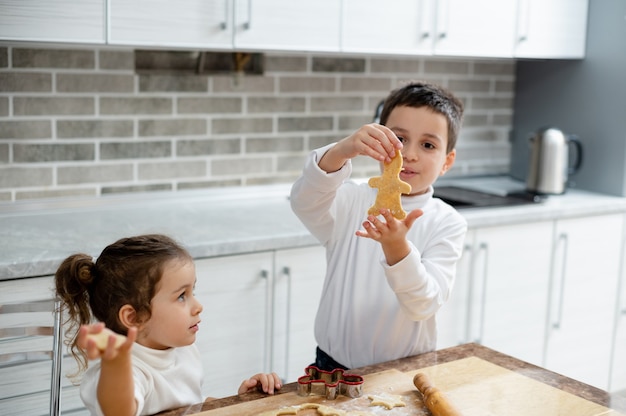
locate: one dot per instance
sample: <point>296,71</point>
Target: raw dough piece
<point>390,187</point>
<point>102,338</point>
<point>281,412</point>
<point>329,411</point>
<point>389,401</point>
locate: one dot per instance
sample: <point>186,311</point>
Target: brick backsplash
<point>78,122</point>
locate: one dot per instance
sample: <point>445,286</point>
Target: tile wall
<point>82,122</point>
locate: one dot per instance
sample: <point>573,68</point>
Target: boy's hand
<point>390,233</point>
<point>266,383</point>
<point>373,140</point>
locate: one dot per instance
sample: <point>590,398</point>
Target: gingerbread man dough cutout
<point>390,187</point>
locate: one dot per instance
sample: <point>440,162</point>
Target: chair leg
<point>57,359</point>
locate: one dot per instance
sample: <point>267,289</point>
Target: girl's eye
<point>181,297</point>
<point>429,145</point>
<point>402,140</point>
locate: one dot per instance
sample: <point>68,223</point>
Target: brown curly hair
<point>434,97</point>
<point>126,272</point>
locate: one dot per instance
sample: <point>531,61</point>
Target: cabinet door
<point>582,308</point>
<point>182,23</point>
<point>53,20</point>
<point>618,354</point>
<point>551,29</point>
<point>298,286</point>
<point>403,27</point>
<point>287,25</point>
<point>509,289</point>
<point>452,324</point>
<point>233,338</point>
<point>483,28</point>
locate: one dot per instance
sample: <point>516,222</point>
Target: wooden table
<point>523,374</point>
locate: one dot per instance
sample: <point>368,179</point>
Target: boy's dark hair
<point>434,97</point>
<point>126,272</point>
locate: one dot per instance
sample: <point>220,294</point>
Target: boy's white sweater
<point>370,312</point>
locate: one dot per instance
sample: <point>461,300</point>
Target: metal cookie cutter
<point>329,384</point>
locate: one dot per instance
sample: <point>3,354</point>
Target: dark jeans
<point>325,362</point>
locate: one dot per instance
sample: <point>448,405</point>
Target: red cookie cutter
<point>329,383</point>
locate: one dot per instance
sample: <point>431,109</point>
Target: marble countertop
<point>36,236</point>
<point>547,385</point>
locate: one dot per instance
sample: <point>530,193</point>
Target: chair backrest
<point>30,333</point>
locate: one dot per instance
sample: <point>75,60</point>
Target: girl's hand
<point>266,383</point>
<point>112,348</point>
<point>373,140</point>
<point>390,233</point>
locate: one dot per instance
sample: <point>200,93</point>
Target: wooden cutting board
<point>475,386</point>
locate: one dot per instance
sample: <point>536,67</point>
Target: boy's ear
<point>128,316</point>
<point>450,158</point>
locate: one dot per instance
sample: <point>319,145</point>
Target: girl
<point>141,287</point>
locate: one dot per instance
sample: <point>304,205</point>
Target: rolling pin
<point>434,399</point>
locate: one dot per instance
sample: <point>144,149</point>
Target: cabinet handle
<point>224,24</point>
<point>287,273</point>
<point>484,247</point>
<point>562,241</point>
<point>247,24</point>
<point>523,20</point>
<point>269,319</point>
<point>442,19</point>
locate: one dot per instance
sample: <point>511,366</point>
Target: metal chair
<point>30,333</point>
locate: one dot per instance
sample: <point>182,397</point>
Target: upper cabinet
<point>166,23</point>
<point>226,24</point>
<point>457,28</point>
<point>482,28</point>
<point>64,21</point>
<point>403,27</point>
<point>551,29</point>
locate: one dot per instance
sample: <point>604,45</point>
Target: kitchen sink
<point>467,198</point>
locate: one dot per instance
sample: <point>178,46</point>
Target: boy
<point>385,282</point>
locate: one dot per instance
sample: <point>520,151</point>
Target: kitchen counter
<point>36,236</point>
<point>515,377</point>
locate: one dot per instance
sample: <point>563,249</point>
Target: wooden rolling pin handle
<point>434,399</point>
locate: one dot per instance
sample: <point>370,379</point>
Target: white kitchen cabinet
<point>258,315</point>
<point>480,28</point>
<point>503,270</point>
<point>226,24</point>
<point>298,286</point>
<point>583,297</point>
<point>65,21</point>
<point>452,317</point>
<point>618,354</point>
<point>287,25</point>
<point>508,288</point>
<point>235,293</point>
<point>403,27</point>
<point>551,29</point>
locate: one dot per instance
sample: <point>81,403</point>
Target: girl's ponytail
<point>72,280</point>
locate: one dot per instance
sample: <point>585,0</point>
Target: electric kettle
<point>549,166</point>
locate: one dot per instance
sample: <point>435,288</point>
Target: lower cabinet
<point>617,381</point>
<point>587,261</point>
<point>547,293</point>
<point>500,295</point>
<point>258,315</point>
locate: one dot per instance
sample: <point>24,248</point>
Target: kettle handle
<point>579,153</point>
